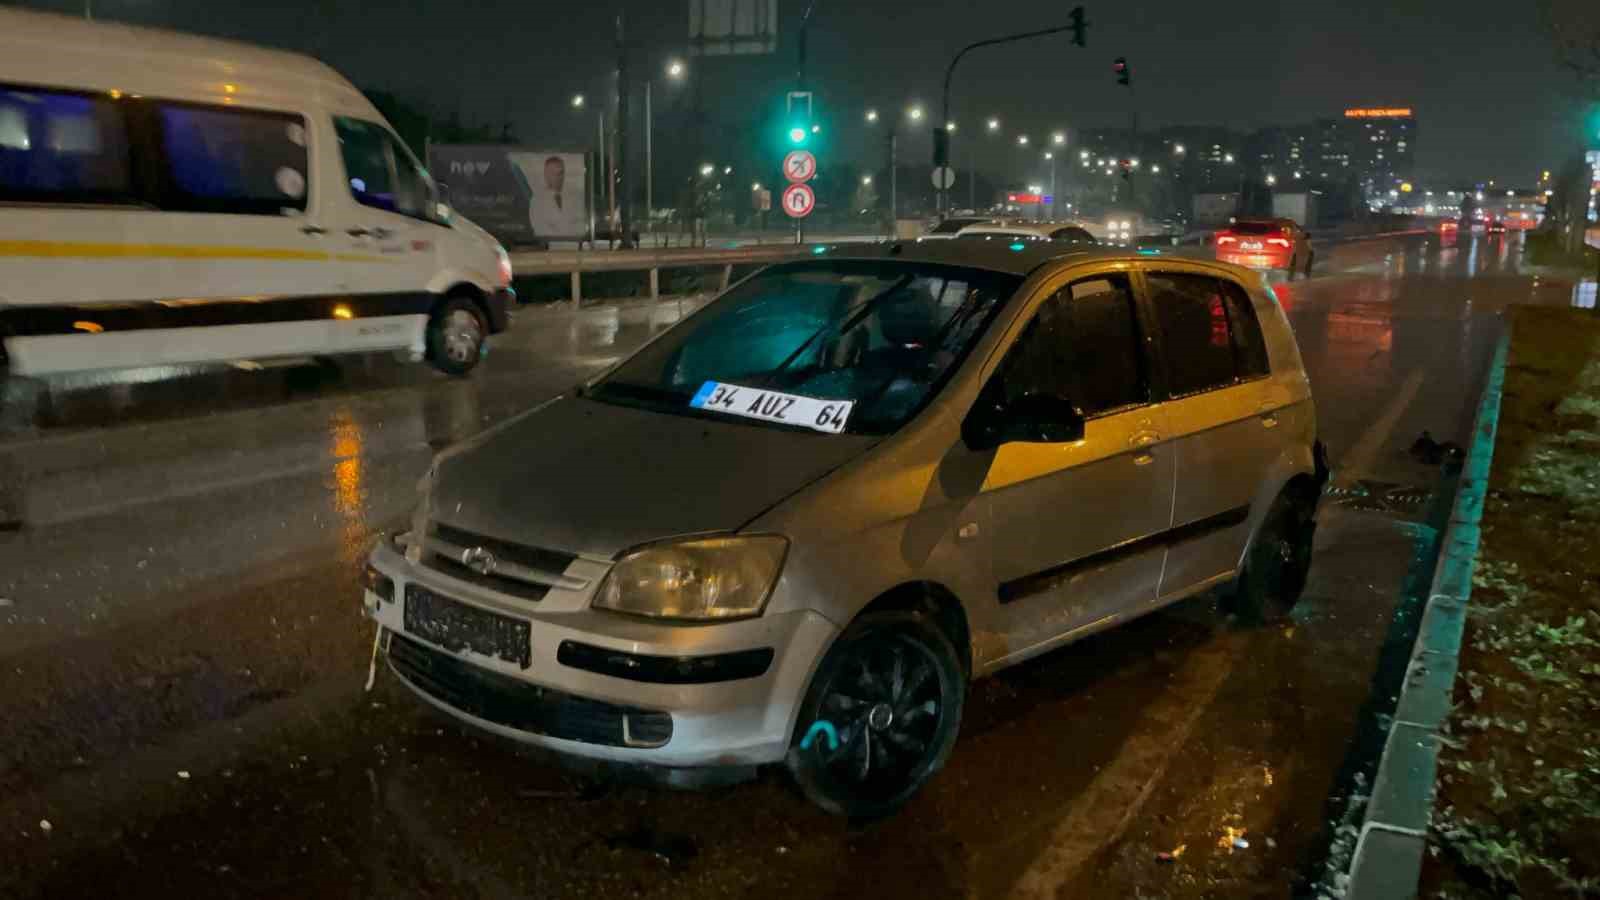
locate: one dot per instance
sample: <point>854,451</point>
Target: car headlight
<point>708,578</point>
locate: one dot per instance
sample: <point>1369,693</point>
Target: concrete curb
<point>1388,856</point>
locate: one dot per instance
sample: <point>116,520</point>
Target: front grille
<point>552,561</point>
<point>516,704</point>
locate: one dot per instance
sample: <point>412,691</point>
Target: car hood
<point>585,477</point>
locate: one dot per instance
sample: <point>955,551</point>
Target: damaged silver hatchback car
<point>793,527</point>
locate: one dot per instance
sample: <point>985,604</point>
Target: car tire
<point>457,336</point>
<point>1276,563</point>
<point>890,690</point>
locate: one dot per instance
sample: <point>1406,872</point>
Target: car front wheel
<point>457,334</point>
<point>880,717</point>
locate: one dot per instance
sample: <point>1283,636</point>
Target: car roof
<point>1043,229</point>
<point>67,51</point>
<point>998,255</point>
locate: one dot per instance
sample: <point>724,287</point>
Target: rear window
<point>951,226</point>
<point>233,160</point>
<point>60,147</point>
<point>1256,228</point>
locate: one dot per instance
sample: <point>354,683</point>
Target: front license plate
<point>773,406</point>
<point>457,627</point>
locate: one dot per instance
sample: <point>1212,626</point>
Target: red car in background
<point>1266,244</point>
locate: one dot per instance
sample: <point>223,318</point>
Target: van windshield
<point>872,341</point>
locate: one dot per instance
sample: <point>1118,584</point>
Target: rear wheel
<point>457,335</point>
<point>1275,567</point>
<point>880,716</point>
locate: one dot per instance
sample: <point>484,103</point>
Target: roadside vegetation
<point>1518,806</point>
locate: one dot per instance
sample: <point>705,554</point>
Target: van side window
<point>1199,318</point>
<point>1083,344</point>
<point>381,173</point>
<point>221,160</point>
<point>60,147</point>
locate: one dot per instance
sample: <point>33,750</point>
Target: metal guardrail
<point>574,263</point>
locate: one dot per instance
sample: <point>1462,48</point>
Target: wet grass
<point>1518,808</point>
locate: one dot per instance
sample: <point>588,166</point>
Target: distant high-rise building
<point>1374,146</point>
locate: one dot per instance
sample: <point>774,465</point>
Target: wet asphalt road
<point>182,654</point>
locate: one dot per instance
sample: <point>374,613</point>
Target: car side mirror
<point>1031,419</point>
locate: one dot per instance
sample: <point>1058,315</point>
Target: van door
<point>1221,416</point>
<point>386,220</point>
<point>1075,527</point>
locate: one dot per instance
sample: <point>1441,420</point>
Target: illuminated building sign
<point>1395,113</point>
<point>1030,199</point>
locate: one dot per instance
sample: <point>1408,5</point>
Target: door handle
<point>1144,439</point>
<point>313,229</point>
<point>357,232</point>
<point>381,233</point>
<point>1269,420</point>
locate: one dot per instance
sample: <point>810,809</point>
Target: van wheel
<point>880,717</point>
<point>1275,567</point>
<point>457,336</point>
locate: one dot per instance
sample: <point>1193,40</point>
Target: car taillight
<point>1226,239</point>
<point>1281,242</point>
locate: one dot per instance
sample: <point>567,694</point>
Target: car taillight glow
<point>1281,242</point>
<point>1227,239</point>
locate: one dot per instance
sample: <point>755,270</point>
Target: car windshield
<point>880,335</point>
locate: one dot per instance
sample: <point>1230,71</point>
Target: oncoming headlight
<point>703,579</point>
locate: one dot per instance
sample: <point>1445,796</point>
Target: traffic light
<point>797,124</point>
<point>1120,66</point>
<point>1079,27</point>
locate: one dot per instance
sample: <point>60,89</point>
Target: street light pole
<point>1077,25</point>
<point>649,162</point>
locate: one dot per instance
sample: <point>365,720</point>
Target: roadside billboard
<point>521,195</point>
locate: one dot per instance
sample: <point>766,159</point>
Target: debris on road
<point>5,601</point>
<point>1240,843</point>
<point>1173,855</point>
<point>45,826</point>
<point>183,774</point>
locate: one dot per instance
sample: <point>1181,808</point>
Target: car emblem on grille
<point>478,560</point>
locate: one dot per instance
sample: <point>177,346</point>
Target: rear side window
<point>1208,332</point>
<point>381,173</point>
<point>1250,347</point>
<point>227,160</point>
<point>1083,345</point>
<point>1076,235</point>
<point>59,147</point>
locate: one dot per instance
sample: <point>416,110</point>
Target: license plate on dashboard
<point>458,626</point>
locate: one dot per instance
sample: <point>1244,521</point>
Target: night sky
<point>1490,102</point>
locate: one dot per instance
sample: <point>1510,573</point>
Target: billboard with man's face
<point>518,194</point>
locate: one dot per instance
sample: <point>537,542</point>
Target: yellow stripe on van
<point>88,250</point>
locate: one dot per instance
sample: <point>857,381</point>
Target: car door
<point>386,218</point>
<point>1074,526</point>
<point>1222,415</point>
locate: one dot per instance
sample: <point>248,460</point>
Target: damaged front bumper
<point>555,673</point>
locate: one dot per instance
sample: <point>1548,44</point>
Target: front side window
<point>1199,317</point>
<point>233,160</point>
<point>884,335</point>
<point>58,147</point>
<point>1082,345</point>
<point>380,173</point>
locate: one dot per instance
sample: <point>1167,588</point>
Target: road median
<point>1490,780</point>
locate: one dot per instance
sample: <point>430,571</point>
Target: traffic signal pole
<point>800,85</point>
<point>941,136</point>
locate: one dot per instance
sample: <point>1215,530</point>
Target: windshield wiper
<point>842,329</point>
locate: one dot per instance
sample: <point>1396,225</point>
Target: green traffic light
<point>797,135</point>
